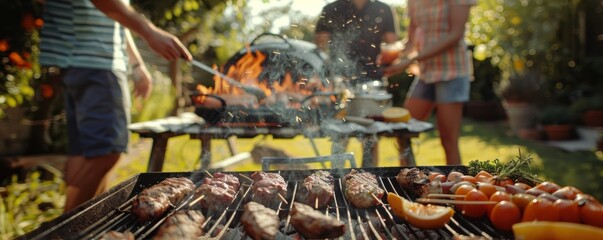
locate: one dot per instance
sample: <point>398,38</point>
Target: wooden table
<point>161,130</point>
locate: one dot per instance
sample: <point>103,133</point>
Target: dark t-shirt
<point>356,36</point>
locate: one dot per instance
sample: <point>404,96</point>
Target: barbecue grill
<point>111,211</point>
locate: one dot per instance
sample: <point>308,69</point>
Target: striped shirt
<point>432,20</point>
<point>81,36</point>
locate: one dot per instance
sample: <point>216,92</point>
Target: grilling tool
<point>249,89</point>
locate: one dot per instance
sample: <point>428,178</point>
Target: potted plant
<point>557,122</point>
<point>484,104</point>
<point>590,110</point>
<point>519,91</point>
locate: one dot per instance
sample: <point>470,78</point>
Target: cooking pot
<point>368,100</point>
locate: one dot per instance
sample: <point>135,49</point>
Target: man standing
<point>352,32</point>
<point>86,39</point>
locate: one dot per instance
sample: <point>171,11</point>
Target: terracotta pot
<point>593,118</point>
<point>531,134</point>
<point>560,132</point>
<point>484,110</point>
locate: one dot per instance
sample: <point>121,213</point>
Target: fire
<point>247,71</point>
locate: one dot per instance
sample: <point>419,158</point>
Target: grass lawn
<point>479,140</point>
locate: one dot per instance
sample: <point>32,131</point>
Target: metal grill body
<point>111,211</point>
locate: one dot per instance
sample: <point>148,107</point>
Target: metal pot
<point>368,104</point>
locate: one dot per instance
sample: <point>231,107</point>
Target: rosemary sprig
<point>518,169</point>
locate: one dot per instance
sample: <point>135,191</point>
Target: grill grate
<point>372,223</point>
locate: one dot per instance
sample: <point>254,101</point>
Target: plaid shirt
<point>432,20</point>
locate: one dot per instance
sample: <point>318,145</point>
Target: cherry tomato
<point>498,181</point>
<point>583,197</point>
<point>475,211</point>
<point>497,197</point>
<point>432,175</point>
<point>592,214</point>
<point>522,185</point>
<point>462,191</point>
<point>483,173</point>
<point>454,176</point>
<point>522,200</point>
<point>504,215</point>
<point>540,209</point>
<point>547,187</point>
<point>486,188</point>
<point>468,178</point>
<point>568,210</point>
<point>567,192</point>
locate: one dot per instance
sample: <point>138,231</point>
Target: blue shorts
<point>453,91</point>
<point>97,105</point>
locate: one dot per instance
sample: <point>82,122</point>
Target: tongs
<point>249,89</point>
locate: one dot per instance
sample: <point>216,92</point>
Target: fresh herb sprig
<point>518,169</point>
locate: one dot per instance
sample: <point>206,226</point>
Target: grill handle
<point>337,160</point>
<point>270,35</point>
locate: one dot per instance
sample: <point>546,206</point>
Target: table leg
<point>232,145</point>
<point>406,155</point>
<point>205,151</point>
<point>370,151</point>
<point>339,144</point>
<point>157,154</point>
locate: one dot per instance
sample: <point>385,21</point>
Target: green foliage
<point>519,169</point>
<point>521,88</point>
<point>556,115</point>
<point>25,205</point>
<point>585,104</point>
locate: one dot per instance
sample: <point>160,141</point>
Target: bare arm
<point>164,43</point>
<point>142,78</point>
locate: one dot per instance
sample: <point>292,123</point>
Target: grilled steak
<point>266,187</point>
<point>317,188</point>
<point>362,189</point>
<point>115,235</point>
<point>218,192</point>
<point>155,200</point>
<point>183,224</point>
<point>260,222</point>
<point>313,224</point>
<point>416,182</point>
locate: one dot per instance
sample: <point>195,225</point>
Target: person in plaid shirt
<point>436,40</point>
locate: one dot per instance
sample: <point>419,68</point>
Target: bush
<point>556,115</point>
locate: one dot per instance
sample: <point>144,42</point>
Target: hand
<point>166,44</point>
<point>143,84</point>
<point>397,68</point>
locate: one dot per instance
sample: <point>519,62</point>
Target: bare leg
<point>450,116</point>
<point>83,177</point>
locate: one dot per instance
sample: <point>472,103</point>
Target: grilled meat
<point>260,222</point>
<point>155,200</point>
<point>266,187</point>
<point>218,192</point>
<point>317,187</point>
<point>362,189</point>
<point>416,182</point>
<point>115,235</point>
<point>313,224</point>
<point>183,224</point>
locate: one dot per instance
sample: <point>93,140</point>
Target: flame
<point>247,71</point>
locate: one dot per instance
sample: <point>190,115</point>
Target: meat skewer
<point>260,222</point>
<point>362,189</point>
<point>183,224</point>
<point>217,192</point>
<point>416,182</point>
<point>317,189</point>
<point>267,187</point>
<point>313,224</point>
<point>157,199</point>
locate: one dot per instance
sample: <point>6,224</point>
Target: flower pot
<point>531,134</point>
<point>520,115</point>
<point>484,110</point>
<point>593,118</point>
<point>560,132</point>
